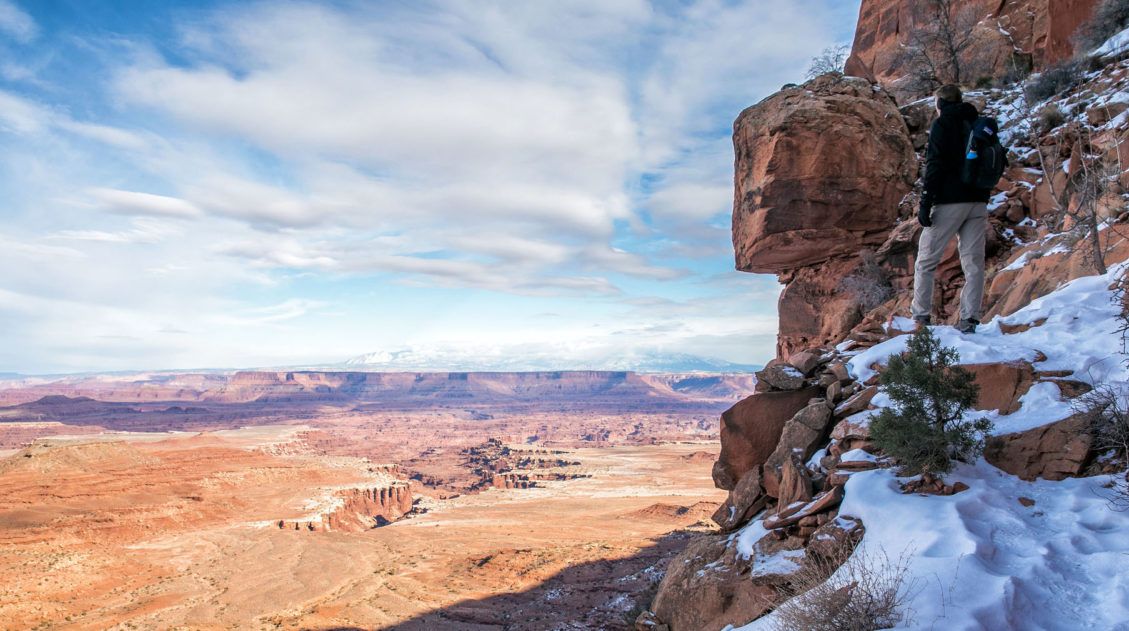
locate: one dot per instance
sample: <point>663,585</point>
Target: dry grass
<point>866,593</point>
<point>1106,411</point>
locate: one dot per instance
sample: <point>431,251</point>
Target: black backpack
<point>985,159</point>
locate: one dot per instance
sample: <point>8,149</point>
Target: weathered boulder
<point>850,433</point>
<point>795,484</point>
<point>835,538</point>
<point>744,501</point>
<point>815,307</point>
<point>1001,384</point>
<point>807,360</point>
<point>750,430</point>
<point>781,376</point>
<point>857,402</point>
<point>799,438</point>
<point>1053,452</point>
<point>707,587</point>
<point>647,621</point>
<point>1040,274</point>
<point>791,515</point>
<point>1006,34</point>
<point>820,169</point>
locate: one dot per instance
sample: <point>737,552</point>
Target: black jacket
<point>944,157</point>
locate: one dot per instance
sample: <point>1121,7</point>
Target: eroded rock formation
<point>820,172</point>
<point>365,508</point>
<point>1006,34</point>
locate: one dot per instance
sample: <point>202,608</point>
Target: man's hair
<point>950,93</point>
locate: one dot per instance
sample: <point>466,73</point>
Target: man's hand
<point>924,210</point>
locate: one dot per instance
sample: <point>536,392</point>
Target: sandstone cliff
<point>1005,34</point>
<point>358,509</point>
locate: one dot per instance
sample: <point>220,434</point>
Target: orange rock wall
<point>1042,29</point>
<point>362,507</point>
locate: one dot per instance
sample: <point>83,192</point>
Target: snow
<point>858,455</point>
<point>1079,335</point>
<point>791,372</point>
<point>748,536</point>
<point>1113,46</point>
<point>900,323</point>
<point>783,562</point>
<point>981,560</point>
<point>813,462</point>
<point>1019,262</point>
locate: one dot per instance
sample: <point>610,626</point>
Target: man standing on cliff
<point>950,207</point>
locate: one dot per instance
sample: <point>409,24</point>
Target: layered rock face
<point>820,171</point>
<point>362,509</point>
<point>1006,34</point>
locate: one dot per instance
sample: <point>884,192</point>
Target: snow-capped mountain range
<point>498,359</point>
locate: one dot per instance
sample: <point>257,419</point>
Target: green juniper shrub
<point>925,429</point>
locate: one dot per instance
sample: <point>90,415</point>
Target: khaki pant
<point>968,222</point>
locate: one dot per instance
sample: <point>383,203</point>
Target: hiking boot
<point>967,326</point>
<point>920,322</point>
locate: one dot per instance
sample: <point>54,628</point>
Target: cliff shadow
<point>601,595</point>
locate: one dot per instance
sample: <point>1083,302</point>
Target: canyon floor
<point>181,530</point>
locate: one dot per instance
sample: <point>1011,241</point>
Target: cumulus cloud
<point>405,168</point>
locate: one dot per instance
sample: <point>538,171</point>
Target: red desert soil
<point>180,530</point>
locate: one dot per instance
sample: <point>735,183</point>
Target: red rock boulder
<point>1001,384</point>
<point>751,429</point>
<point>1053,452</point>
<point>707,586</point>
<point>820,169</point>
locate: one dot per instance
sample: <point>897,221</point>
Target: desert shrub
<point>1018,69</point>
<point>1049,117</point>
<point>925,428</point>
<point>1106,411</point>
<point>1110,18</point>
<point>832,59</point>
<point>1056,79</point>
<point>869,284</point>
<point>936,51</point>
<point>868,593</point>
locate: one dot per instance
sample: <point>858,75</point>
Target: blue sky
<point>213,184</point>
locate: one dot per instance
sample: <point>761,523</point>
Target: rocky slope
<point>805,483</point>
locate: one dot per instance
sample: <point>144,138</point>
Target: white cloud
<point>142,231</point>
<point>16,23</point>
<point>137,203</point>
<point>411,165</point>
